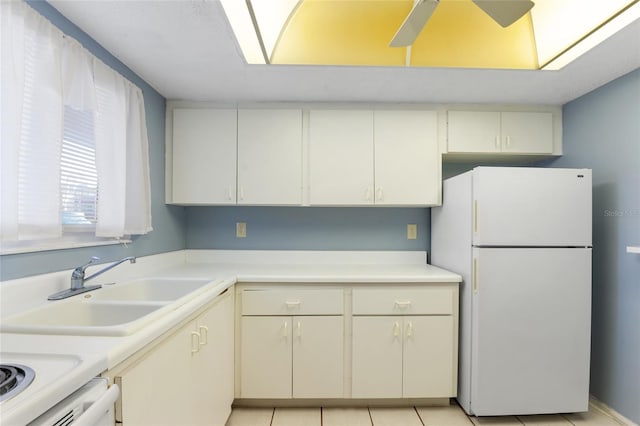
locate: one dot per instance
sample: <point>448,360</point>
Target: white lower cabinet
<point>402,357</point>
<point>187,379</point>
<point>291,342</point>
<point>404,342</point>
<point>292,357</point>
<point>392,341</point>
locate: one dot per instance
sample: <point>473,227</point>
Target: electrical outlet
<point>241,229</point>
<point>412,231</point>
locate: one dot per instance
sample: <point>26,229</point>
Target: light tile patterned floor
<point>451,415</point>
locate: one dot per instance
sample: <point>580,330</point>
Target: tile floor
<point>451,415</point>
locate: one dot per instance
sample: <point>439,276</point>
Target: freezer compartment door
<point>518,206</point>
<point>531,329</point>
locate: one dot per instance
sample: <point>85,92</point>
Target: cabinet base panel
<point>342,402</point>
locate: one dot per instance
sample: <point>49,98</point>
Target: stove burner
<point>13,379</point>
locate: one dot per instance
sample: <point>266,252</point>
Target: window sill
<point>58,244</point>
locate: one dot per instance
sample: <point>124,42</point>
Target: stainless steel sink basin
<point>79,317</point>
<point>151,290</point>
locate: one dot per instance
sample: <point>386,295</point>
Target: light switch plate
<point>412,231</point>
<point>241,229</point>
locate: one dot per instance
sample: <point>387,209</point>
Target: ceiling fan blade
<point>413,23</point>
<point>505,12</point>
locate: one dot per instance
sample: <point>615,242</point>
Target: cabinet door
<point>428,357</point>
<point>212,374</point>
<point>147,398</point>
<point>377,357</point>
<point>270,157</point>
<point>204,156</point>
<point>527,132</point>
<point>340,157</point>
<point>473,131</point>
<point>318,357</point>
<point>407,160</point>
<point>265,359</point>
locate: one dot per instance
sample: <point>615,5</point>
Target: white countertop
<point>98,354</point>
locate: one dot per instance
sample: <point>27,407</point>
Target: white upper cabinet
<point>270,157</point>
<point>473,131</point>
<point>300,155</point>
<point>340,157</point>
<point>373,157</point>
<point>407,160</point>
<point>500,132</point>
<point>527,132</point>
<point>204,156</point>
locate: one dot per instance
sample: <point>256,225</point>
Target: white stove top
<point>49,369</point>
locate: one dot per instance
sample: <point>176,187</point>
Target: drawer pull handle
<point>403,304</point>
<point>195,342</point>
<point>204,333</point>
<point>396,329</point>
<point>292,304</point>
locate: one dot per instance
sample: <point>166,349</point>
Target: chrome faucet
<point>78,279</point>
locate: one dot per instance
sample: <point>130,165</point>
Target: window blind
<point>78,175</point>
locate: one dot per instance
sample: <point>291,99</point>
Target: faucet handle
<point>80,269</point>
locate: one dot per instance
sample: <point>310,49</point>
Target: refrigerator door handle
<point>475,217</point>
<point>475,275</point>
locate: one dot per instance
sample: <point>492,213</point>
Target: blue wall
<point>602,132</point>
<point>168,221</point>
<point>307,228</point>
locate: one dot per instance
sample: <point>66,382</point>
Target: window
<point>78,174</point>
<point>74,149</point>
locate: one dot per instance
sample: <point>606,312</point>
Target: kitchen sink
<point>151,290</point>
<point>80,317</point>
<point>114,310</point>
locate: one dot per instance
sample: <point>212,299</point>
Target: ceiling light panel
<point>242,25</point>
<point>560,23</point>
<point>272,17</point>
<point>343,32</point>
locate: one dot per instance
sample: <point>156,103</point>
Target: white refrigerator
<point>521,239</point>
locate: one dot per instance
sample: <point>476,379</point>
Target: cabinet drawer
<point>399,301</point>
<point>292,302</point>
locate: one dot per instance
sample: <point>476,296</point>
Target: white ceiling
<point>185,49</point>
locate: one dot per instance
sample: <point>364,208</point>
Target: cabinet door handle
<point>497,141</point>
<point>396,329</point>
<point>367,194</point>
<point>379,194</point>
<point>195,342</point>
<point>241,193</point>
<point>204,334</point>
<point>230,193</point>
<point>507,140</point>
<point>285,329</point>
<point>299,329</point>
<point>409,329</point>
<point>403,304</point>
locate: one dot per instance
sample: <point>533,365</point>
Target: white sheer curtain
<point>42,71</point>
<point>121,156</point>
<point>31,124</point>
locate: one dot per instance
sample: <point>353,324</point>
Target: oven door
<point>91,405</point>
